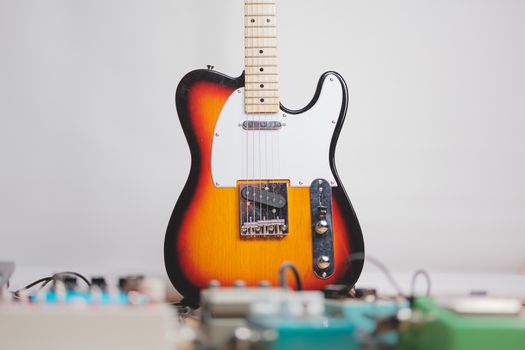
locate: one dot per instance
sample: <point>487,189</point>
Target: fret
<point>257,101</point>
<point>261,79</point>
<point>255,89</point>
<point>260,56</point>
<point>259,109</point>
<point>269,15</point>
<point>257,86</point>
<point>265,9</point>
<point>260,42</point>
<point>258,2</point>
<point>261,61</point>
<point>259,21</point>
<point>261,31</point>
<point>256,52</point>
<point>257,70</point>
<point>261,70</point>
<point>259,66</point>
<point>262,93</point>
<point>257,27</point>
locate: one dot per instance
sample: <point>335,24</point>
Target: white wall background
<point>92,156</point>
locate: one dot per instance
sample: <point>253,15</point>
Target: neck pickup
<point>261,125</point>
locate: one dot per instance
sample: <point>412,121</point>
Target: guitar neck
<point>261,64</point>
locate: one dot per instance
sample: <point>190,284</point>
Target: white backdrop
<point>93,158</point>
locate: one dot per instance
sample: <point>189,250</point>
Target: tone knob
<point>321,226</point>
<point>323,262</point>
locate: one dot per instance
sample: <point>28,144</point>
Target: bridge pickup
<point>261,125</point>
<point>263,209</point>
<point>263,195</point>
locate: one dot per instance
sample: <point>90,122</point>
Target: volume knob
<point>321,226</point>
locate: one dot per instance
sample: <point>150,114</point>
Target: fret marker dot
<point>262,100</point>
<point>261,69</point>
<point>267,20</point>
<point>261,52</point>
<point>262,85</point>
<point>252,20</point>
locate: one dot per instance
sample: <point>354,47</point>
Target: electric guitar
<point>263,188</point>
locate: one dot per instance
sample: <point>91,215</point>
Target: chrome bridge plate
<point>263,209</point>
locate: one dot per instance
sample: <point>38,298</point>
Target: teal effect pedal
<point>310,333</point>
<point>375,321</point>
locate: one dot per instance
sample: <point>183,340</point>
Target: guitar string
<point>247,191</point>
<point>262,146</point>
<point>265,183</point>
<point>261,217</point>
<point>247,150</point>
<point>253,166</point>
<point>272,175</point>
<point>270,191</point>
<point>253,183</point>
<point>279,211</point>
<point>278,153</point>
<point>259,154</point>
<point>259,180</point>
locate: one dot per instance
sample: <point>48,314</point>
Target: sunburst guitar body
<point>263,187</point>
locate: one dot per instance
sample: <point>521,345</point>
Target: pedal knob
<point>99,282</point>
<point>323,262</point>
<point>321,226</point>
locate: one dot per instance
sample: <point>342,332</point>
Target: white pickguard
<point>298,152</point>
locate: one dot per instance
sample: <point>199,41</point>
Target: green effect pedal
<point>462,324</point>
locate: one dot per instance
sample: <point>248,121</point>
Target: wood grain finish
<point>203,240</point>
